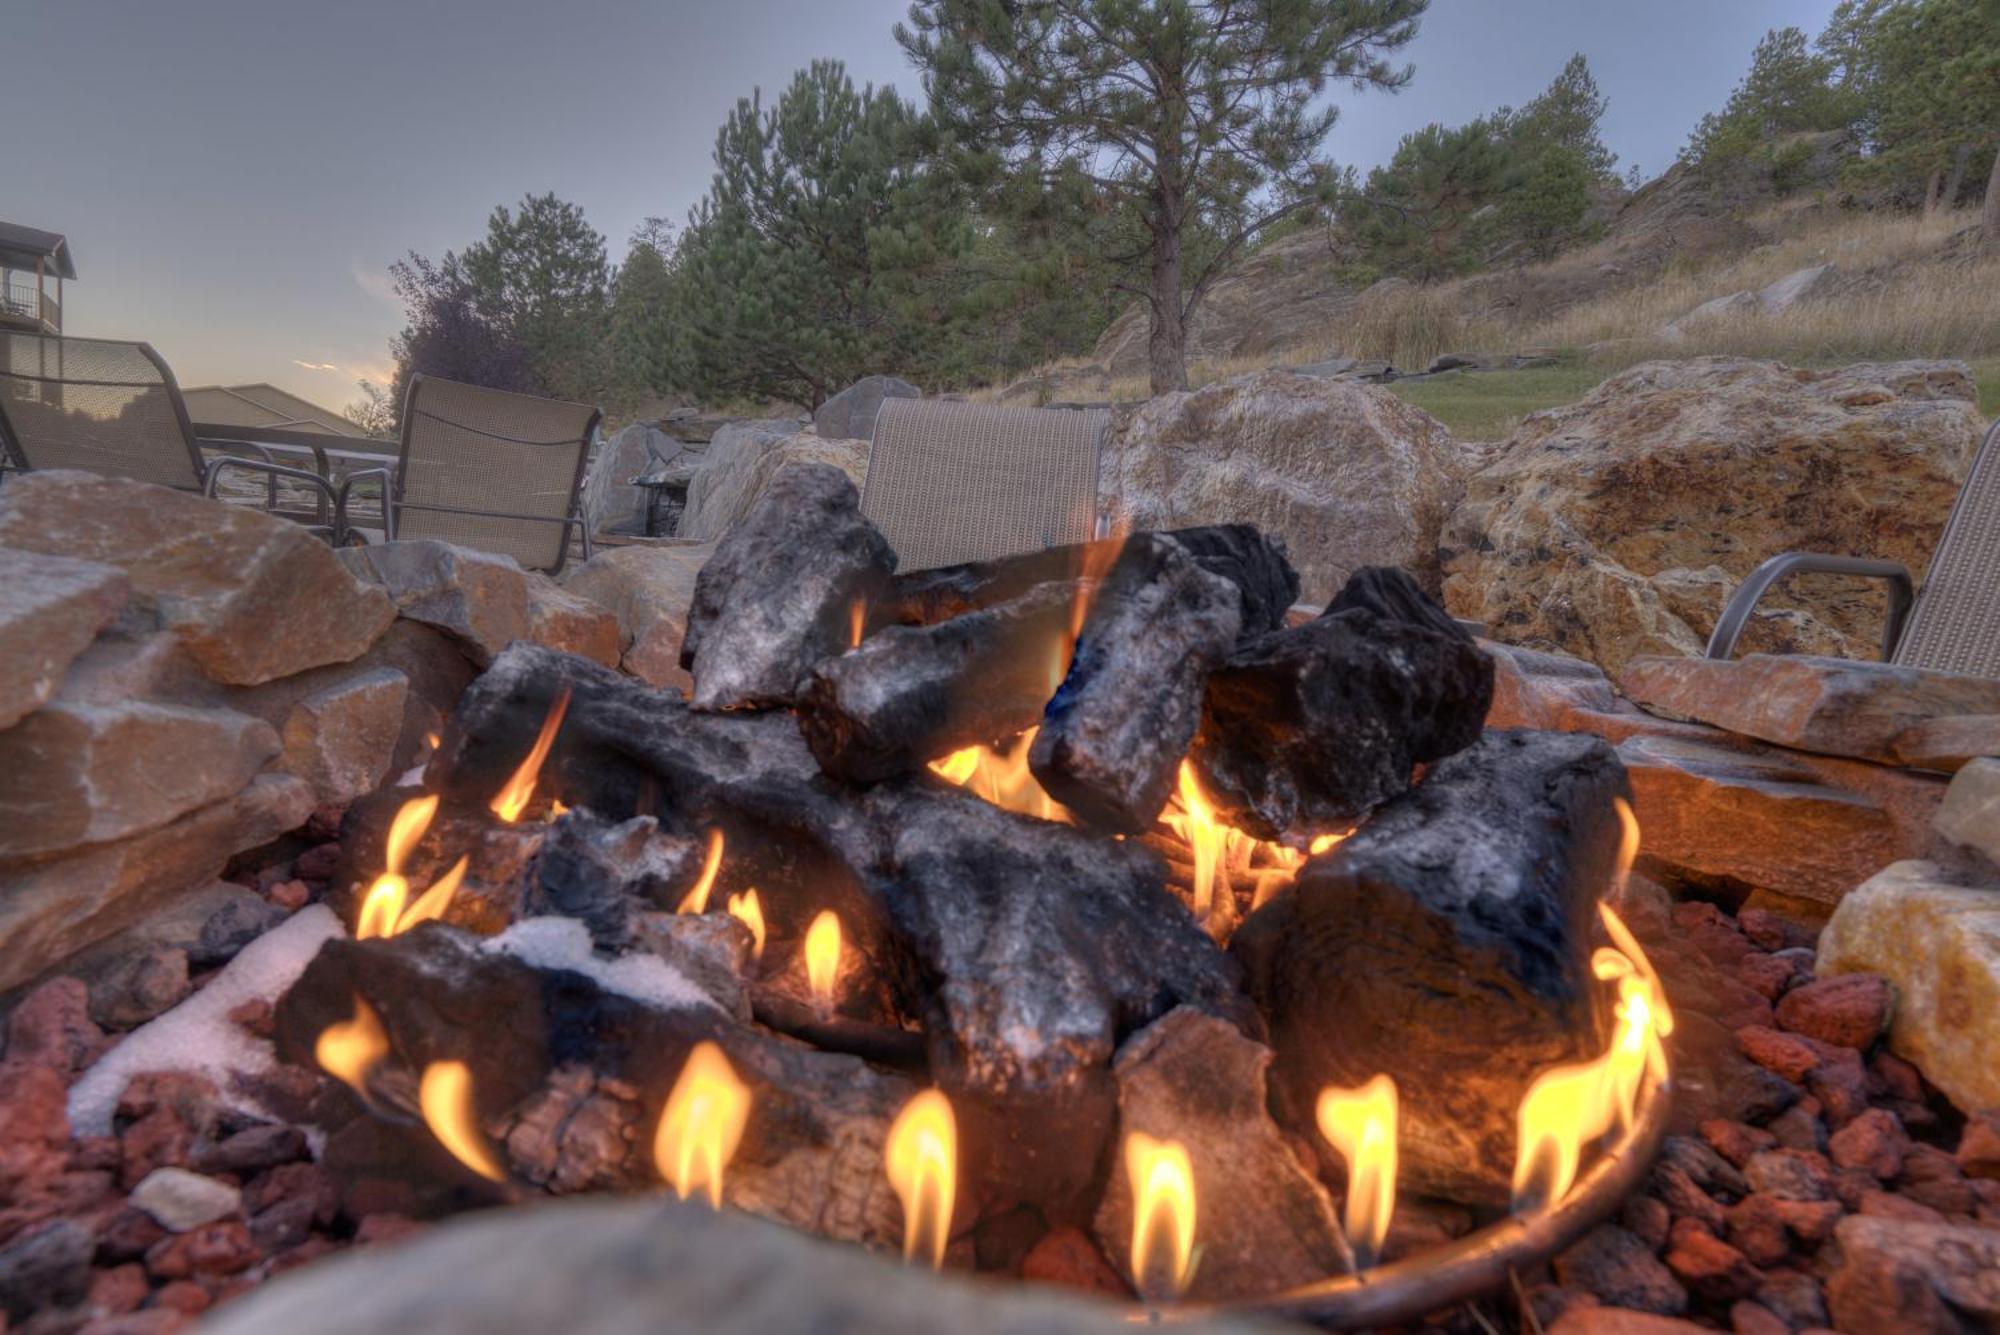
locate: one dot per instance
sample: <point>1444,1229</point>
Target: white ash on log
<point>541,1039</point>
<point>1447,944</point>
<point>780,593</point>
<point>1113,737</point>
<point>1254,561</point>
<point>607,874</point>
<point>1303,730</point>
<point>910,694</point>
<point>1266,1222</point>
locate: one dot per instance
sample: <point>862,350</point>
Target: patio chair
<point>1954,624</point>
<point>487,469</point>
<point>113,408</point>
<point>955,482</point>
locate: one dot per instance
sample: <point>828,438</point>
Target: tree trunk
<point>1989,218</point>
<point>1957,177</point>
<point>1931,194</point>
<point>1166,348</point>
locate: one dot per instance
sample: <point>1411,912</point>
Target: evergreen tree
<point>540,274</point>
<point>1564,116</point>
<point>1434,203</point>
<point>1183,115</point>
<point>644,336</point>
<point>1789,88</point>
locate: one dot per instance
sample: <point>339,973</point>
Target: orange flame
<point>1207,838</point>
<point>1002,777</point>
<point>1323,842</point>
<point>352,1048</point>
<point>1162,1180</point>
<point>445,1096</point>
<point>1094,564</point>
<point>382,906</point>
<point>746,909</point>
<point>823,956</point>
<point>711,864</point>
<point>921,1158</point>
<point>512,799</point>
<point>1570,1106</point>
<point>857,622</point>
<point>556,809</point>
<point>1361,1124</point>
<point>432,903</point>
<point>702,1124</point>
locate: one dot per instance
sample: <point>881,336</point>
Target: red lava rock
<point>283,1226</point>
<point>1687,1200</point>
<point>1708,1265</point>
<point>1979,1146</point>
<point>1809,1221</point>
<point>1734,1141</point>
<point>253,1149</point>
<point>1548,1303</point>
<point>1849,1010</point>
<point>52,1027</point>
<point>150,1321</point>
<point>1770,975</point>
<point>290,895</point>
<point>1851,1184</point>
<point>1708,929</point>
<point>1888,1205</point>
<point>1774,931</point>
<point>1795,1175</point>
<point>1786,1054</point>
<point>1649,1218</point>
<point>1933,1177</point>
<point>1874,1141</point>
<point>221,1248</point>
<point>1618,1266</point>
<point>1899,1079</point>
<point>192,1098</point>
<point>1799,1128</point>
<point>128,1235</point>
<point>1748,1318</point>
<point>34,1126</point>
<point>310,1250</point>
<point>318,864</point>
<point>385,1228</point>
<point>324,823</point>
<point>183,1296</point>
<point>291,1181</point>
<point>1839,1083</point>
<point>94,1153</point>
<point>1793,1295</point>
<point>157,1140</point>
<point>1068,1257</point>
<point>119,1289</point>
<point>253,1017</point>
<point>1620,1321</point>
<point>1757,1229</point>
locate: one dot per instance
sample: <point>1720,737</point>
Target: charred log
<point>608,874</point>
<point>1254,561</point>
<point>1447,944</point>
<point>780,593</point>
<point>1303,730</point>
<point>909,694</point>
<point>1114,735</point>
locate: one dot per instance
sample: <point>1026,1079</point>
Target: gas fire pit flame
<point>823,957</point>
<point>351,1049</point>
<point>1163,1215</point>
<point>1361,1124</point>
<point>1001,776</point>
<point>711,863</point>
<point>921,1158</point>
<point>1206,838</point>
<point>382,907</point>
<point>746,909</point>
<point>513,798</point>
<point>445,1096</point>
<point>1569,1107</point>
<point>702,1124</point>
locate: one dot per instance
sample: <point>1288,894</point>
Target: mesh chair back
<point>1956,624</point>
<point>96,405</point>
<point>956,482</point>
<point>492,470</point>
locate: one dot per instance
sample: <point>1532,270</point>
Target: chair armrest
<point>273,471</point>
<point>386,478</point>
<point>1902,593</point>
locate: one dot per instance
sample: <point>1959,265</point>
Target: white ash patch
<point>564,943</point>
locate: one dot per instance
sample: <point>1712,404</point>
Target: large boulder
<point>50,609</point>
<point>1581,533</point>
<point>482,600</point>
<point>649,590</point>
<point>1346,473</point>
<point>254,598</point>
<point>850,414</point>
<point>740,464</point>
<point>609,498</point>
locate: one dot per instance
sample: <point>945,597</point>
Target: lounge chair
<point>954,482</point>
<point>113,408</point>
<point>487,469</point>
<point>1954,624</point>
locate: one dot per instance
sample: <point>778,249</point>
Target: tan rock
<point>50,609</point>
<point>1970,813</point>
<point>1677,467</point>
<point>1347,473</point>
<point>741,462</point>
<point>1938,944</point>
<point>1914,1278</point>
<point>1947,743</point>
<point>1698,597</point>
<point>252,597</point>
<point>478,598</point>
<point>73,775</point>
<point>1835,706</point>
<point>51,908</point>
<point>342,738</point>
<point>558,619</point>
<point>648,589</point>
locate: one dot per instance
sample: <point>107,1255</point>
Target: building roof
<point>266,406</point>
<point>19,244</point>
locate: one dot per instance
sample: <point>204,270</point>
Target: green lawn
<point>1488,405</point>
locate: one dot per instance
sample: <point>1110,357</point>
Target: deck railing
<point>28,299</point>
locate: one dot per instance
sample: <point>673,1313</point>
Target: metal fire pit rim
<point>1467,1266</point>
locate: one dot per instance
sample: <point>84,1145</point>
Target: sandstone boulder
<point>850,414</point>
<point>342,738</point>
<point>559,619</point>
<point>1915,1277</point>
<point>609,497</point>
<point>741,462</point>
<point>648,590</point>
<point>1716,461</point>
<point>1938,944</point>
<point>1835,706</point>
<point>50,609</point>
<point>1970,814</point>
<point>1346,473</point>
<point>253,598</point>
<point>478,598</point>
<point>72,775</point>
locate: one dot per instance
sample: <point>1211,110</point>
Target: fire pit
<point>1088,888</point>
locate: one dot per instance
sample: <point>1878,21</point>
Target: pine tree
<point>540,274</point>
<point>1183,115</point>
<point>644,336</point>
<point>1789,89</point>
<point>1433,205</point>
<point>1565,116</point>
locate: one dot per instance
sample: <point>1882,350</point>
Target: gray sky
<point>235,176</point>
